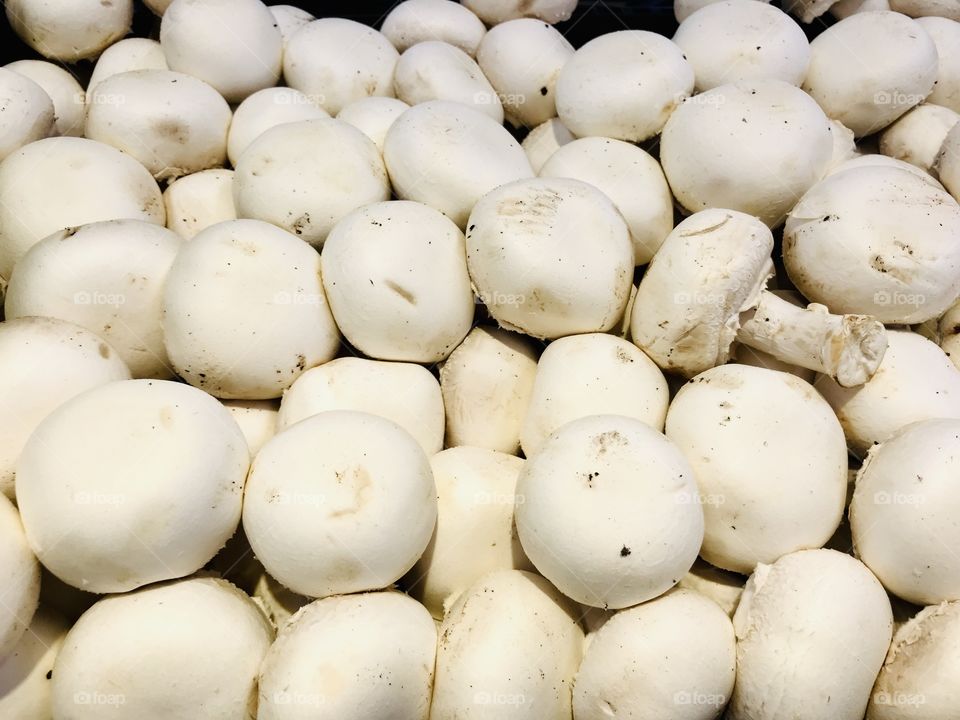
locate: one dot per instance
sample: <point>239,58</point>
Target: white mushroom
<point>280,322</point>
<point>68,97</point>
<point>737,40</point>
<point>21,579</point>
<point>845,8</point>
<point>25,688</point>
<point>195,202</point>
<point>921,8</point>
<point>374,116</point>
<point>674,657</point>
<point>946,36</point>
<point>917,136</point>
<point>28,112</point>
<point>686,315</point>
<point>494,12</point>
<point>396,277</point>
<point>305,176</point>
<point>903,512</point>
<point>752,146</point>
<point>592,374</point>
<point>487,383</point>
<point>947,334</point>
<point>948,162</point>
<point>872,159</point>
<point>544,140</point>
<point>404,393</point>
<point>415,21</point>
<point>844,145</point>
<point>289,20</point>
<point>610,512</point>
<point>590,90</point>
<point>435,70</point>
<point>70,30</point>
<point>721,586</point>
<point>356,488</point>
<point>876,240</point>
<point>265,109</point>
<point>107,277</point>
<point>337,62</point>
<point>858,81</point>
<point>475,535</point>
<point>792,493</point>
<point>509,649</point>
<point>522,59</point>
<point>59,183</point>
<point>351,658</point>
<point>202,636</point>
<point>550,257</point>
<point>130,483</point>
<point>808,10</point>
<point>447,155</point>
<point>43,363</point>
<point>827,603</point>
<point>919,679</point>
<point>257,420</point>
<point>630,177</point>
<point>234,45</point>
<point>682,9</point>
<point>125,56</point>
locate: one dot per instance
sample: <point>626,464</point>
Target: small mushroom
<point>66,93</point>
<point>416,21</point>
<point>544,140</point>
<point>721,586</point>
<point>845,8</point>
<point>289,20</point>
<point>126,56</point>
<point>924,8</point>
<point>195,202</point>
<point>918,135</point>
<point>494,12</point>
<point>374,116</point>
<point>682,9</point>
<point>28,112</point>
<point>70,30</point>
<point>257,420</point>
<point>265,109</point>
<point>948,162</point>
<point>946,36</point>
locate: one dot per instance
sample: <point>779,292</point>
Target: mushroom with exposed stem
<point>687,314</point>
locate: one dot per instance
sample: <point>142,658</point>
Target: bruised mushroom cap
<point>21,573</point>
<point>404,393</point>
<point>374,116</point>
<point>46,186</point>
<point>494,12</point>
<point>786,498</point>
<point>71,30</point>
<point>305,176</point>
<point>26,670</point>
<point>917,136</point>
<point>66,93</point>
<point>878,241</point>
<point>858,81</point>
<point>43,363</point>
<point>195,202</point>
<point>754,146</point>
<point>710,269</point>
<point>415,21</point>
<point>130,483</point>
<point>265,109</point>
<point>903,512</point>
<point>28,112</point>
<point>829,604</point>
<point>592,374</point>
<point>946,36</point>
<point>127,651</point>
<point>609,513</point>
<point>447,155</point>
<point>384,642</point>
<point>590,89</point>
<point>550,257</point>
<point>354,486</point>
<point>673,657</point>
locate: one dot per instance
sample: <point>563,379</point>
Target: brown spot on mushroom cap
<point>104,350</point>
<point>172,129</point>
<point>402,292</point>
<point>608,440</point>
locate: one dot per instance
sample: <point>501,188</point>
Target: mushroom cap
<point>28,112</point>
<point>289,20</point>
<point>711,267</point>
<point>522,59</point>
<point>25,671</point>
<point>873,160</point>
<point>877,241</point>
<point>130,483</point>
<point>550,257</point>
<point>107,277</point>
<point>917,136</point>
<point>396,277</point>
<point>71,30</point>
<point>58,183</point>
<point>265,109</point>
<point>43,363</point>
<point>792,493</point>
<point>374,116</point>
<point>592,374</point>
<point>671,657</point>
<point>202,636</point>
<point>356,488</point>
<point>946,36</point>
<point>257,420</point>
<point>630,177</point>
<point>305,176</point>
<point>903,512</point>
<point>509,647</point>
<point>920,8</point>
<point>66,93</point>
<point>609,513</point>
<point>948,162</point>
<point>682,9</point>
<point>280,323</point>
<point>590,89</point>
<point>544,140</point>
<point>234,45</point>
<point>915,381</point>
<point>829,605</point>
<point>21,573</point>
<point>129,54</point>
<point>338,61</point>
<point>721,586</point>
<point>476,493</point>
<point>415,21</point>
<point>754,146</point>
<point>494,12</point>
<point>404,393</point>
<point>487,383</point>
<point>195,202</point>
<point>875,86</point>
<point>428,148</point>
<point>384,642</point>
<point>738,40</point>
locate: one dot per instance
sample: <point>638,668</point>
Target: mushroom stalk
<point>848,348</point>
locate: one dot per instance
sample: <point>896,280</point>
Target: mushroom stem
<point>848,348</point>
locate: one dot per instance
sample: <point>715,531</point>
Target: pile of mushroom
<point>449,369</point>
